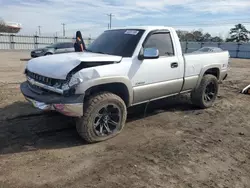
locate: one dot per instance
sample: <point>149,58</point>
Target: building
<point>9,27</point>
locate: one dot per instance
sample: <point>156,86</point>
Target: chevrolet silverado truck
<point>121,68</point>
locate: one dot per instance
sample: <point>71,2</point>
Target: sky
<point>90,16</point>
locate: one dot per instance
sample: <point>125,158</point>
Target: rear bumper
<point>69,106</point>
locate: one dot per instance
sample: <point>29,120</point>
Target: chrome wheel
<point>210,92</point>
<point>107,120</point>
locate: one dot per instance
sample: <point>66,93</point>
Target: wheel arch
<point>120,86</point>
<point>49,52</point>
<point>213,69</point>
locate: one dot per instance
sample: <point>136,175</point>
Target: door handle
<point>174,65</point>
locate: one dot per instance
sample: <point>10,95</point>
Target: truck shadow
<point>35,130</point>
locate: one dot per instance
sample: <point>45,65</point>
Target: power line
<point>63,24</point>
<point>110,19</point>
<point>39,29</point>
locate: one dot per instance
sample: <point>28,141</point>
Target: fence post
<point>12,46</point>
<point>55,39</point>
<point>237,50</point>
<point>35,42</point>
<point>202,44</point>
<point>186,49</point>
<point>10,41</point>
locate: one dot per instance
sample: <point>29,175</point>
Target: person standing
<point>79,43</point>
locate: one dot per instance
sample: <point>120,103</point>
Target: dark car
<point>57,48</point>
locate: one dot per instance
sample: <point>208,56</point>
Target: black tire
<point>201,95</point>
<point>48,54</point>
<point>85,125</point>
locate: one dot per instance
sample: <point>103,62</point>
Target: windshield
<point>121,42</point>
<point>204,49</point>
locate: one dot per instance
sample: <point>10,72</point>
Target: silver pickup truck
<point>121,68</point>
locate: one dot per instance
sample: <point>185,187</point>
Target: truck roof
<point>145,27</point>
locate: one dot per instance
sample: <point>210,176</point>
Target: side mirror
<point>149,53</point>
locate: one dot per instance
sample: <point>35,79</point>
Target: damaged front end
<point>55,82</point>
<point>53,94</point>
<point>73,110</point>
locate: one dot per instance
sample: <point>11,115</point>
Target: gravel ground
<point>175,145</point>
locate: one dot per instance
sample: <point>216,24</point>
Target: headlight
<point>72,83</point>
<point>65,86</point>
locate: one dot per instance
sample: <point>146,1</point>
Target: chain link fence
<point>236,50</point>
<point>26,42</point>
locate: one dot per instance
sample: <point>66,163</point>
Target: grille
<point>38,89</point>
<point>43,79</point>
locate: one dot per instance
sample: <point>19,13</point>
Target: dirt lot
<point>176,145</point>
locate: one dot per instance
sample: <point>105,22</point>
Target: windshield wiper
<point>98,52</point>
<point>88,50</point>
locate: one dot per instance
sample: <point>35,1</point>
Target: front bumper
<point>34,54</point>
<point>69,106</point>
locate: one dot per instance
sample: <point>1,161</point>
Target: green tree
<point>238,34</point>
<point>216,39</point>
<point>198,35</point>
<point>181,34</point>
<point>185,35</point>
<point>206,37</point>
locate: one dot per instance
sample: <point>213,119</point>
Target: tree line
<point>238,33</point>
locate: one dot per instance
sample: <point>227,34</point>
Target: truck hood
<point>59,65</point>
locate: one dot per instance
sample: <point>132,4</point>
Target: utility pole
<point>39,29</point>
<point>110,19</point>
<point>63,24</point>
<point>108,25</point>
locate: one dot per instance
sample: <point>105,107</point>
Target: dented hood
<point>59,65</point>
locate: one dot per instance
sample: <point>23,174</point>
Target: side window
<point>68,45</point>
<point>60,45</point>
<point>161,41</point>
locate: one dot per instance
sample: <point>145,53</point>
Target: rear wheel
<point>104,117</point>
<point>48,54</point>
<point>204,96</point>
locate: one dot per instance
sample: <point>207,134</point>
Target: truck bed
<point>194,62</point>
<point>198,63</point>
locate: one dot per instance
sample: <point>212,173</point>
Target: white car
<point>121,68</point>
<point>209,49</point>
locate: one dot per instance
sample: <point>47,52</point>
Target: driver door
<point>60,48</point>
<point>156,78</point>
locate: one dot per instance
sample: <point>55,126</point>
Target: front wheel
<point>104,117</point>
<point>204,96</point>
